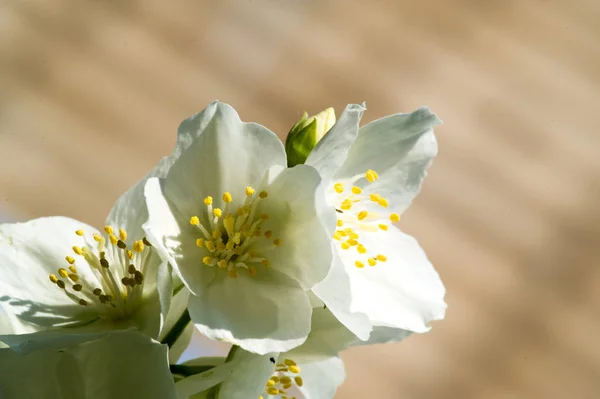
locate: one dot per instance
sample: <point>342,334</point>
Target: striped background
<point>91,93</point>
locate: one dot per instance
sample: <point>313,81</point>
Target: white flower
<point>380,276</point>
<point>59,272</point>
<point>115,365</point>
<point>244,233</point>
<point>272,375</point>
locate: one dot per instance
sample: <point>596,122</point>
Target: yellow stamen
<point>394,217</point>
<point>268,234</point>
<point>383,227</point>
<point>266,262</point>
<point>138,246</point>
<point>339,187</point>
<point>375,197</point>
<point>362,215</point>
<point>271,382</point>
<point>70,259</point>
<point>345,245</point>
<point>381,258</point>
<point>361,249</point>
<point>289,362</point>
<point>252,271</point>
<point>222,264</point>
<point>72,269</point>
<point>79,232</point>
<point>194,221</point>
<point>210,245</point>
<point>63,273</point>
<point>359,264</point>
<point>227,197</point>
<point>295,369</point>
<point>232,273</point>
<point>249,191</point>
<point>77,250</point>
<point>372,175</point>
<point>200,242</point>
<point>356,190</point>
<point>337,235</point>
<point>277,241</point>
<point>340,222</point>
<point>113,239</point>
<point>298,381</point>
<point>272,391</point>
<point>129,254</point>
<point>97,237</point>
<point>372,262</point>
<point>53,278</point>
<point>217,212</point>
<point>383,202</point>
<point>207,259</point>
<point>208,200</point>
<point>216,234</point>
<point>108,230</point>
<point>122,234</point>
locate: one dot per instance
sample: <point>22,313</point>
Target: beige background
<point>91,93</point>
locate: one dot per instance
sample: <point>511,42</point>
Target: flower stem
<point>177,329</point>
<point>186,371</point>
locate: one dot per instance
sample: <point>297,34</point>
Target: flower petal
<point>108,366</point>
<point>336,292</point>
<point>29,253</point>
<point>219,153</point>
<point>327,338</point>
<point>169,234</point>
<point>248,378</point>
<point>331,151</point>
<point>265,313</point>
<point>297,209</point>
<point>384,335</point>
<point>399,148</point>
<point>130,212</point>
<point>403,292</point>
<point>322,379</point>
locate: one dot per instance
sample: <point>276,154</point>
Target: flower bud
<point>305,135</point>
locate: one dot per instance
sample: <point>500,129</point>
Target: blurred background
<point>92,93</point>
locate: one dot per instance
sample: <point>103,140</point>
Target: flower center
<point>114,287</point>
<point>234,239</point>
<point>358,211</point>
<point>285,377</point>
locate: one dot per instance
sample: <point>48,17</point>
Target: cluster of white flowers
<point>288,253</point>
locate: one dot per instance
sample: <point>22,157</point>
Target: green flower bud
<point>305,135</point>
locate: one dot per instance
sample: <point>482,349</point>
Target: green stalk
<point>177,329</point>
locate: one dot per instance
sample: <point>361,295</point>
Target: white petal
<point>11,324</point>
<point>130,212</point>
<point>331,151</point>
<point>399,148</point>
<point>265,313</point>
<point>403,292</point>
<point>297,210</point>
<point>198,384</point>
<point>29,253</point>
<point>108,366</point>
<point>170,235</point>
<point>336,292</point>
<point>322,379</point>
<point>219,153</point>
<point>249,376</point>
<point>384,335</point>
<point>327,338</point>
